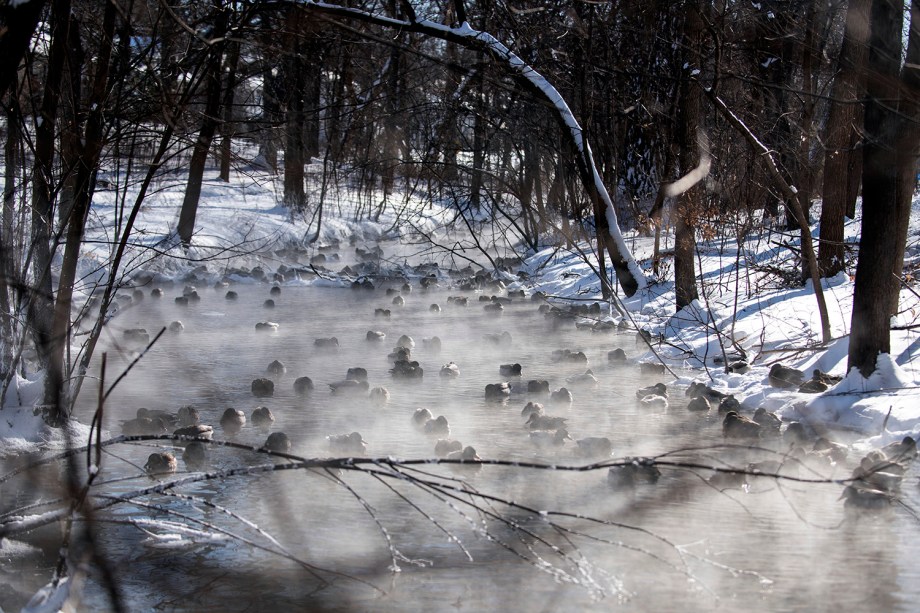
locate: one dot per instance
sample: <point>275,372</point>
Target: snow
<point>568,118</point>
<point>738,308</point>
<point>50,598</point>
<point>163,534</point>
<point>769,325</point>
<point>21,424</point>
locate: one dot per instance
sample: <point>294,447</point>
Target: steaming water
<point>680,543</point>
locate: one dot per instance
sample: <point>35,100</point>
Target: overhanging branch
<point>629,274</point>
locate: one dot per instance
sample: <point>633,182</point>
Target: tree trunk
<point>226,127</point>
<point>804,177</point>
<point>189,211</point>
<point>530,193</point>
<point>689,203</point>
<point>842,134</point>
<point>294,159</point>
<point>448,135</point>
<point>479,138</point>
<point>392,105</point>
<point>41,303</point>
<point>18,21</point>
<point>8,270</point>
<point>86,164</point>
<point>71,123</point>
<point>909,138</point>
<point>271,114</point>
<point>313,97</point>
<point>869,328</point>
<point>655,213</point>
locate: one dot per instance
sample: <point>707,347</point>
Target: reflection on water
<point>772,545</point>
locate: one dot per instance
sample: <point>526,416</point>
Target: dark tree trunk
<point>841,175</point>
<point>8,270</point>
<point>71,123</point>
<point>17,25</point>
<point>334,121</point>
<point>449,137</point>
<point>556,198</point>
<point>689,203</point>
<point>41,303</point>
<point>909,138</point>
<point>655,213</point>
<point>312,98</point>
<point>227,125</point>
<point>875,283</point>
<point>89,145</point>
<point>392,105</point>
<point>271,102</point>
<point>531,196</point>
<point>295,85</point>
<point>479,139</point>
<point>804,177</point>
<point>189,211</point>
<point>775,27</point>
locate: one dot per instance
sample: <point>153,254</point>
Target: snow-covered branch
<point>629,273</point>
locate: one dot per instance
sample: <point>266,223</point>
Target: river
<point>682,542</point>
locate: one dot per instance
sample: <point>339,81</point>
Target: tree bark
<point>294,156</point>
<point>227,125</point>
<point>479,142</point>
<point>392,106</point>
<point>531,194</point>
<point>89,146</point>
<point>17,25</point>
<point>655,213</point>
<point>41,303</point>
<point>804,178</point>
<point>71,122</point>
<point>313,95</point>
<point>271,95</point>
<point>9,284</point>
<point>909,138</point>
<point>689,203</point>
<point>869,328</point>
<point>189,211</point>
<point>841,137</point>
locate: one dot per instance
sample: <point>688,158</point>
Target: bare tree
<point>209,121</point>
<point>843,155</point>
<point>890,150</point>
<point>629,275</point>
<point>231,68</point>
<point>41,300</point>
<point>689,202</point>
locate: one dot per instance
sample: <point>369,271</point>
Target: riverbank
<point>744,309</point>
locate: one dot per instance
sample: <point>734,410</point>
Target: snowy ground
<point>240,225</point>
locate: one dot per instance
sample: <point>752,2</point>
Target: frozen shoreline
<point>770,324</point>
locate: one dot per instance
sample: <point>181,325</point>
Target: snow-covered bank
<point>21,425</point>
<point>742,310</point>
